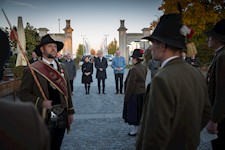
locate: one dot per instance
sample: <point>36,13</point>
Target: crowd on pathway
<point>170,113</point>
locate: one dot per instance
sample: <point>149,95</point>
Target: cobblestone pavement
<point>98,123</point>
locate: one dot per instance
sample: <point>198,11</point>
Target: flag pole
<point>44,110</point>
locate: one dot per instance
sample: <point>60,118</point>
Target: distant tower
<point>68,38</point>
<point>122,40</point>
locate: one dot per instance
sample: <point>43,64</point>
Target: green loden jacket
<point>135,80</point>
<point>175,110</point>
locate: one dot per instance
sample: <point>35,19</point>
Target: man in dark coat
<point>177,106</point>
<point>101,64</point>
<point>216,83</point>
<point>71,68</point>
<point>21,126</point>
<point>53,79</point>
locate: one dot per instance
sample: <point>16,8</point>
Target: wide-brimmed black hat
<point>218,31</point>
<point>138,54</point>
<point>45,40</point>
<point>168,31</point>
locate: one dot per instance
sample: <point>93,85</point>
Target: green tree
<point>80,51</point>
<point>32,39</point>
<point>113,47</point>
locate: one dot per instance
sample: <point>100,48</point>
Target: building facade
<point>65,37</point>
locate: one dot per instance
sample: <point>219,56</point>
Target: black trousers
<point>119,78</point>
<point>57,138</point>
<point>57,130</point>
<point>219,143</point>
<point>71,85</point>
<point>99,85</point>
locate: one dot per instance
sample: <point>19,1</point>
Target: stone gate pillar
<point>122,41</point>
<point>145,43</point>
<point>68,38</point>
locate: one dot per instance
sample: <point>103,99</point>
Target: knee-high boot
<point>99,89</point>
<point>89,88</point>
<point>103,89</point>
<point>86,88</point>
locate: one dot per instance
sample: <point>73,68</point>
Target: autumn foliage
<point>199,15</point>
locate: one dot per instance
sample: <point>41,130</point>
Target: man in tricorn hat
<point>216,83</point>
<point>176,107</point>
<point>54,81</point>
<point>21,126</point>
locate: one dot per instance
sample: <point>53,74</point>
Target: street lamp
<point>59,25</point>
<point>86,46</point>
<point>83,42</point>
<point>106,48</point>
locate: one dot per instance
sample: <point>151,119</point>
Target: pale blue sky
<point>93,18</point>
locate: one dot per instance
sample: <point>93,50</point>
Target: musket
<point>29,65</point>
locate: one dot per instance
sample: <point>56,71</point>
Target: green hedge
<point>18,72</point>
<point>12,61</point>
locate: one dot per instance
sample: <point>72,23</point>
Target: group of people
<point>170,114</point>
<point>101,63</point>
<point>179,102</point>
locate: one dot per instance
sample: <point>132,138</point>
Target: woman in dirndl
<point>87,71</point>
<point>135,91</point>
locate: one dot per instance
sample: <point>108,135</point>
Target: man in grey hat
<point>216,83</point>
<point>176,108</point>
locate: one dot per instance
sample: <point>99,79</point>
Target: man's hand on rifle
<point>47,104</point>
